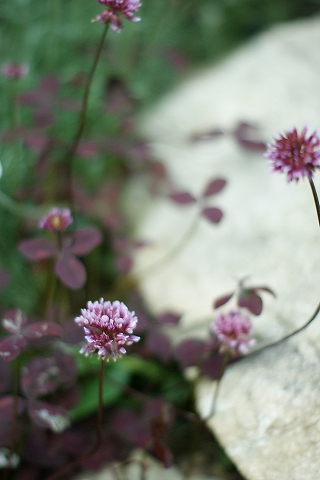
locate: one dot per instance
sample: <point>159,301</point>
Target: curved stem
<point>74,145</point>
<point>317,310</point>
<point>97,443</point>
<point>148,269</point>
<point>19,208</point>
<point>291,334</point>
<point>315,198</point>
<point>216,391</point>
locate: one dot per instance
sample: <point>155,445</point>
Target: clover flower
<point>14,71</point>
<point>108,328</point>
<point>233,330</point>
<point>116,8</point>
<point>295,154</point>
<point>57,220</point>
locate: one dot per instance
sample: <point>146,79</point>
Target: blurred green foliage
<point>57,35</point>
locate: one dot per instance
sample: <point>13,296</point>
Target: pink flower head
<point>56,220</point>
<point>108,327</point>
<point>116,8</point>
<point>14,71</point>
<point>233,330</point>
<point>295,154</point>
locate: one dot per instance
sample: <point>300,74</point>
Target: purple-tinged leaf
<point>37,248</point>
<point>182,198</point>
<point>67,366</point>
<point>5,376</point>
<point>49,416</point>
<point>159,344</point>
<point>84,241</point>
<point>210,135</point>
<point>11,347</point>
<point>212,214</point>
<point>251,301</point>
<point>215,186</point>
<point>212,365</point>
<point>189,352</point>
<point>252,145</point>
<point>124,263</point>
<point>14,320</point>
<point>169,318</point>
<point>222,300</point>
<point>42,329</point>
<point>264,289</point>
<point>40,451</point>
<point>40,376</point>
<point>7,407</point>
<point>72,334</point>
<point>162,453</point>
<point>71,271</point>
<point>246,135</point>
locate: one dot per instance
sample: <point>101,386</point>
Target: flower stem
<point>224,364</point>
<point>149,269</point>
<point>315,198</point>
<point>97,443</point>
<point>289,335</point>
<point>70,154</point>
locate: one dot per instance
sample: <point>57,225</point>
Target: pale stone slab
<point>270,230</point>
<point>267,416</point>
<point>154,470</point>
<point>268,411</point>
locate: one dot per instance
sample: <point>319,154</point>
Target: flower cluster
<point>116,8</point>
<point>295,154</point>
<point>57,220</point>
<point>14,71</point>
<point>108,327</point>
<point>233,330</point>
<point>65,250</point>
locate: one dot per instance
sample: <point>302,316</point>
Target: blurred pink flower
<point>108,327</point>
<point>14,71</point>
<point>233,330</point>
<point>295,154</point>
<point>116,8</point>
<point>57,220</point>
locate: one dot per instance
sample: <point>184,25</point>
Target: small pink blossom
<point>116,8</point>
<point>108,328</point>
<point>14,71</point>
<point>233,330</point>
<point>295,154</point>
<point>57,220</point>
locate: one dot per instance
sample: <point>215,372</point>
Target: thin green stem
<point>18,208</point>
<point>149,269</point>
<point>14,419</point>
<point>315,198</point>
<point>291,334</point>
<point>223,367</point>
<point>98,441</point>
<point>317,310</point>
<point>70,154</point>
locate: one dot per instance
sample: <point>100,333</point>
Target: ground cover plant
<point>87,373</point>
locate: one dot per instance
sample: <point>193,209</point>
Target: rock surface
<point>132,471</point>
<point>267,417</point>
